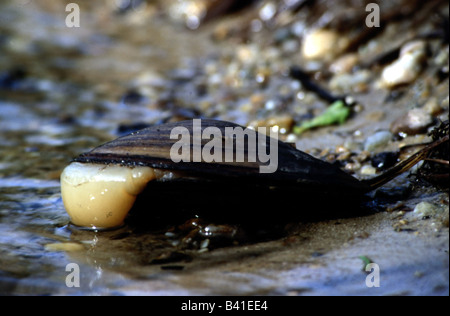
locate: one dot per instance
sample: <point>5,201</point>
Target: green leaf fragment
<point>366,260</point>
<point>337,113</point>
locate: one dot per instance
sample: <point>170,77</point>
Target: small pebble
<point>377,140</point>
<point>323,44</point>
<point>352,166</point>
<point>425,209</point>
<point>356,82</point>
<point>403,222</point>
<point>368,170</point>
<point>344,156</point>
<point>268,11</point>
<point>246,53</point>
<point>363,156</point>
<point>432,107</point>
<point>283,122</point>
<point>341,149</point>
<point>344,64</point>
<point>416,121</point>
<point>407,67</point>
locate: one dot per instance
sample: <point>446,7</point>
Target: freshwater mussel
<point>186,168</point>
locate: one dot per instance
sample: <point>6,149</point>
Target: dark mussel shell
<point>296,169</point>
<point>300,185</point>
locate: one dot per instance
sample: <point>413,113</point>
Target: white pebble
<point>268,11</point>
<point>407,67</point>
<point>425,209</point>
<point>377,140</point>
<point>368,170</point>
<point>323,44</point>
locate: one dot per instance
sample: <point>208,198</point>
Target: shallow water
<point>66,90</point>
